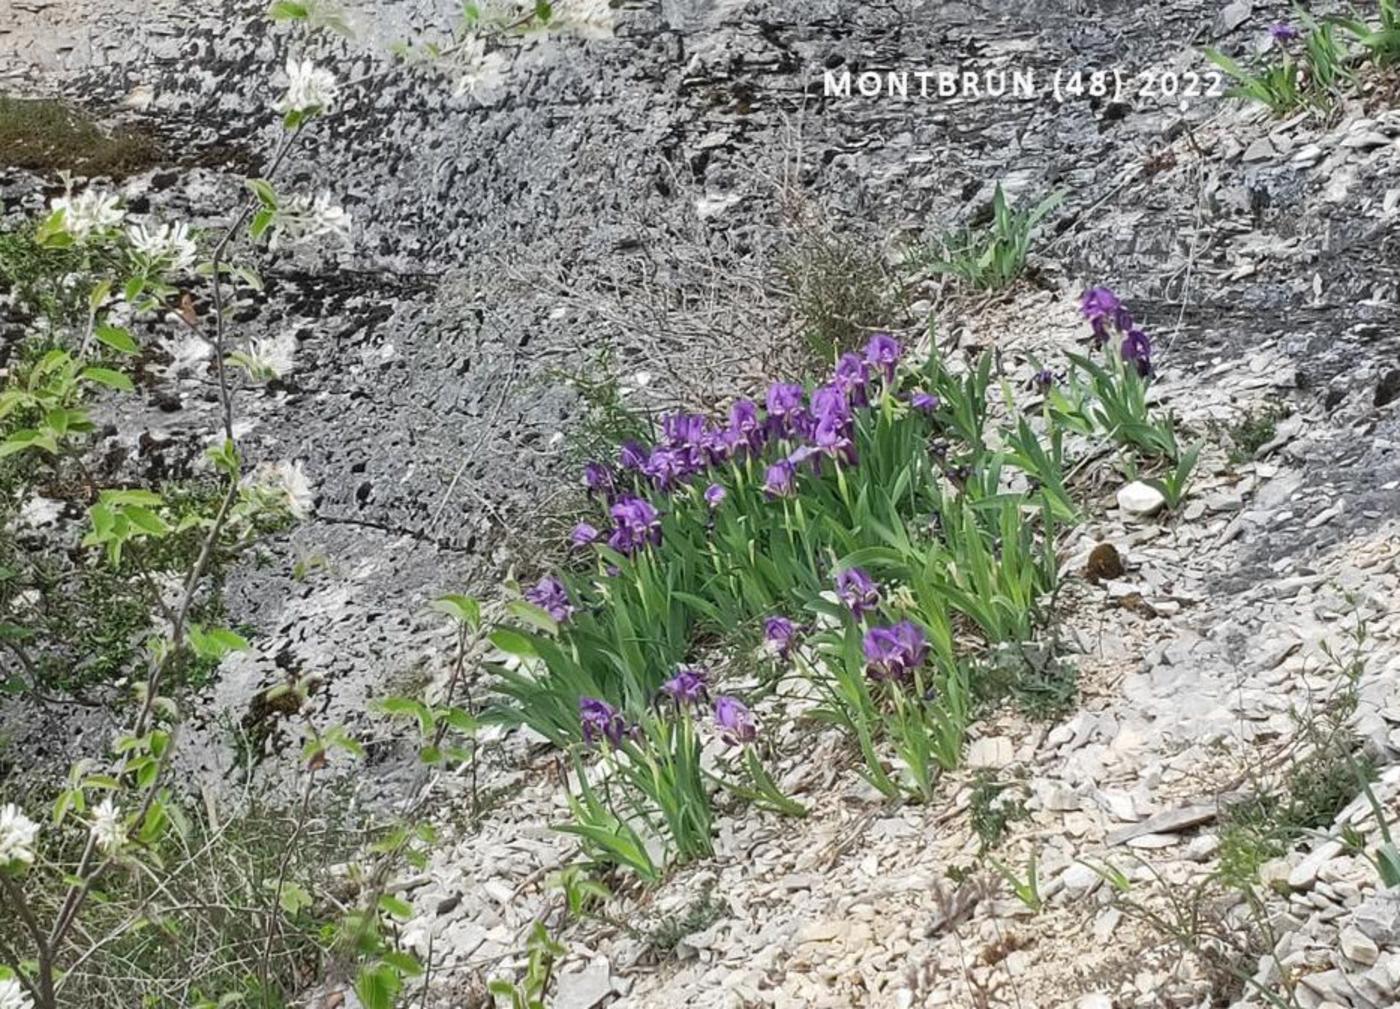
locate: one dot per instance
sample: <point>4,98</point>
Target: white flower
<point>169,243</point>
<point>274,356</point>
<point>17,834</point>
<point>288,484</point>
<point>189,354</point>
<point>310,88</point>
<point>591,19</point>
<point>107,828</point>
<point>13,995</point>
<point>300,497</point>
<point>87,212</point>
<point>302,219</point>
<point>482,73</point>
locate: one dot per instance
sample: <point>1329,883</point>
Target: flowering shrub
<point>102,892</point>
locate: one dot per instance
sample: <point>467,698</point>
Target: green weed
<point>992,811</point>
<point>990,259</point>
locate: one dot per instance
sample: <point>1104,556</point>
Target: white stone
<point>1304,874</point>
<point>992,751</point>
<point>1358,947</point>
<point>1095,1000</point>
<point>1138,498</point>
<point>1080,880</point>
<point>1202,848</point>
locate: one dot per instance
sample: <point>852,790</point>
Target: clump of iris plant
<point>804,432</point>
<point>550,595</point>
<point>734,721</point>
<point>779,635</point>
<point>601,721</point>
<point>857,591</point>
<point>893,653</point>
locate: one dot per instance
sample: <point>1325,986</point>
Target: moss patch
<point>44,135</point>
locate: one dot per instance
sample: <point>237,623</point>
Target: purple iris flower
<point>833,437</point>
<point>687,434</point>
<point>723,444</point>
<point>783,399</point>
<point>1098,301</point>
<point>583,535</point>
<point>743,415</point>
<point>715,495</point>
<point>924,401</point>
<point>636,523</point>
<point>1137,349</point>
<point>632,455</point>
<point>688,686</point>
<point>830,400</point>
<point>781,479</point>
<point>883,352</point>
<point>551,596</point>
<point>892,653</point>
<point>853,378</point>
<point>1282,32</point>
<point>785,411</point>
<point>881,653</point>
<point>598,478</point>
<point>735,722</point>
<point>1043,380</point>
<point>666,467</point>
<point>779,634</point>
<point>744,421</point>
<point>600,720</point>
<point>682,429</point>
<point>1101,307</point>
<point>858,591</point>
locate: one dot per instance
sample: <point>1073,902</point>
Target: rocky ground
<point>637,194</point>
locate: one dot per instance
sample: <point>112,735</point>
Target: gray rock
<point>1260,150</point>
<point>1167,822</point>
<point>1379,917</point>
<point>586,988</point>
<point>1231,17</point>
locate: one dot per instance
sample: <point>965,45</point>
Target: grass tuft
<point>47,136</point>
